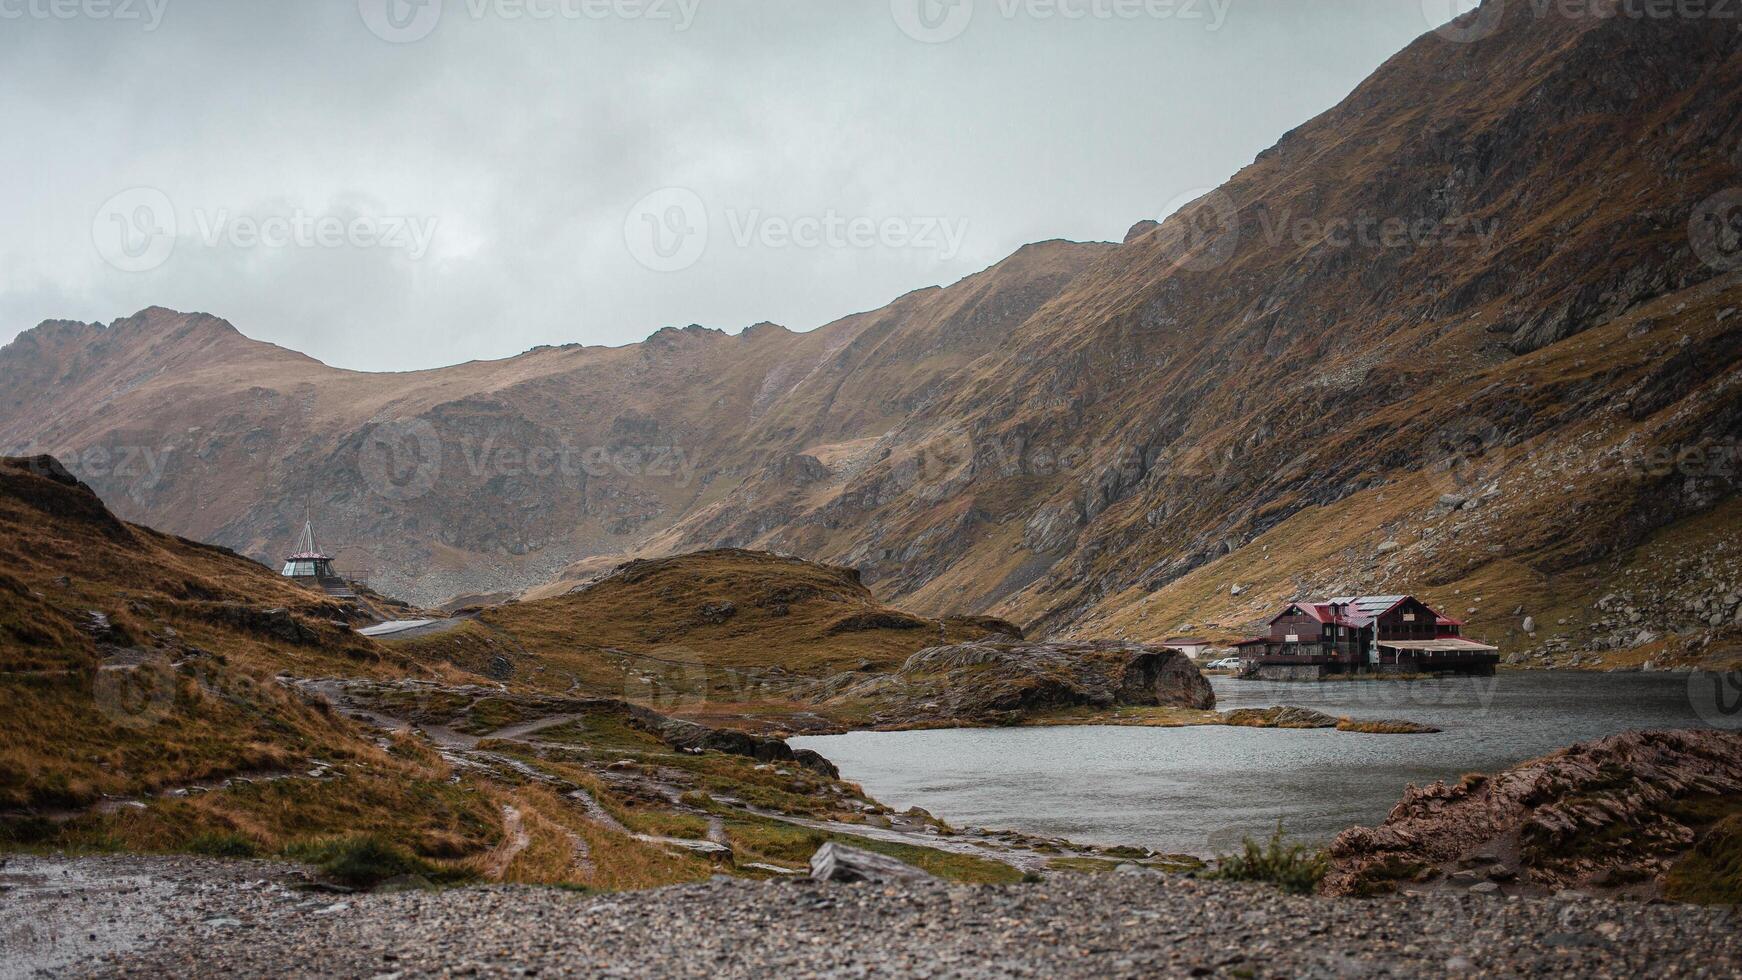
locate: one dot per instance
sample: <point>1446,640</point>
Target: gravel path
<point>180,917</point>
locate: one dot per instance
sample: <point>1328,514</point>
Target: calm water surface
<point>1199,790</point>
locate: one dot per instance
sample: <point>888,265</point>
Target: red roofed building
<point>1361,634</point>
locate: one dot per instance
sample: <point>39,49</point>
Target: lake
<point>1200,790</point>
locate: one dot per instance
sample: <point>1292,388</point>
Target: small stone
<point>1484,888</point>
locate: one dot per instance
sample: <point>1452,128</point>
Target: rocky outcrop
<point>1007,682</point>
<point>691,737</point>
<point>1286,716</point>
<point>1613,814</point>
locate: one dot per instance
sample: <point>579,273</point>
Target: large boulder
<point>1002,682</point>
<point>837,862</point>
<point>1621,813</point>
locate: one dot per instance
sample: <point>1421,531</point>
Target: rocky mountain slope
<point>1473,333</point>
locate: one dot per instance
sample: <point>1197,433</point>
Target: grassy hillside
<point>725,636</point>
<point>157,694</point>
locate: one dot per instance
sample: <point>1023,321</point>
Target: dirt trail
<point>515,840</point>
<point>597,813</point>
<point>462,750</point>
<point>603,818</point>
<point>523,729</point>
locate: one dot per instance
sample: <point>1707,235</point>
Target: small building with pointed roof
<point>308,566</point>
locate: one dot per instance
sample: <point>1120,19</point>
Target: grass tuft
<point>223,845</point>
<point>367,861</point>
<point>1291,866</point>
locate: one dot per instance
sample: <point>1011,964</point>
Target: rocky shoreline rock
<point>1618,815</point>
<point>1008,682</point>
<point>1285,716</point>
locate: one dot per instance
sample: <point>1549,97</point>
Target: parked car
<point>1226,663</point>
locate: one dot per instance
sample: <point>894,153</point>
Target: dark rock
<point>715,613</point>
<point>1004,682</point>
<point>277,623</point>
<point>884,620</point>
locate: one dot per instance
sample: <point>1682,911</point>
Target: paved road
<point>404,629</point>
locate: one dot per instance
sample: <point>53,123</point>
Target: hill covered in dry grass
<point>157,694</point>
<point>727,635</point>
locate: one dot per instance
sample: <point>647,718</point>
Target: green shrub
<point>1293,867</point>
<point>222,846</point>
<point>367,861</point>
<point>27,831</point>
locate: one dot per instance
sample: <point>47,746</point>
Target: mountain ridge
<point>1482,261</point>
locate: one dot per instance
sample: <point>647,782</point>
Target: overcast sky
<point>387,185</point>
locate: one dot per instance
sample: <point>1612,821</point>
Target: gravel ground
<point>188,917</point>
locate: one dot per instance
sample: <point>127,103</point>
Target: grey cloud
<point>526,142</point>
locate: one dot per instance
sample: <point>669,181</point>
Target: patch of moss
<point>1082,864</point>
<point>1710,873</point>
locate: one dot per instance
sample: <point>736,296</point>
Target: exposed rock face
<point>1617,812</point>
<point>1001,683</point>
<point>698,738</point>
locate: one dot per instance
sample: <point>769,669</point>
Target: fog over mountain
<point>517,140</point>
